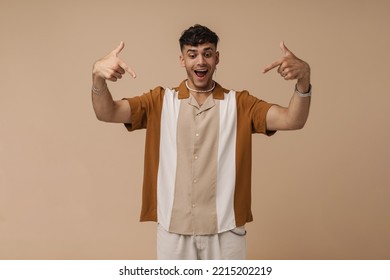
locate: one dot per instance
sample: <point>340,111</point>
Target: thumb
<point>284,49</point>
<point>119,48</point>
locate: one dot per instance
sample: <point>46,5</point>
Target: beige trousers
<point>229,245</point>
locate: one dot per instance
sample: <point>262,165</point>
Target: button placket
<point>195,162</point>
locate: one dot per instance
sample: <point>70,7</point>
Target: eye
<point>192,55</point>
<point>208,54</point>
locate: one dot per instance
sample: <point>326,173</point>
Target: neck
<point>200,91</point>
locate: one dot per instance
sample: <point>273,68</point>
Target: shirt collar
<point>218,92</point>
<point>208,104</point>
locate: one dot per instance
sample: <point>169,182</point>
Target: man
<point>197,176</point>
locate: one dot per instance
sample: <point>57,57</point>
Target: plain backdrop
<point>70,186</point>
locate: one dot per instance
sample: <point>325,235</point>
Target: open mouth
<point>201,73</point>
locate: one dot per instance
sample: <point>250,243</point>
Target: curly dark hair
<point>196,35</point>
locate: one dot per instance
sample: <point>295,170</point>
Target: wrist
<point>303,84</point>
<point>99,84</point>
<point>98,80</point>
<point>306,93</point>
<point>99,90</point>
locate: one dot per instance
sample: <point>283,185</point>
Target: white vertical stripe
<point>226,177</point>
<point>168,158</point>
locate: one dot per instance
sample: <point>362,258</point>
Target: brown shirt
<point>197,177</point>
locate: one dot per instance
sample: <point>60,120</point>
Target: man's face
<point>200,63</point>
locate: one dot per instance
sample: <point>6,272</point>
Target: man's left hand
<point>291,67</point>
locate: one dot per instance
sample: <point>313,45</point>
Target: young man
<point>197,176</point>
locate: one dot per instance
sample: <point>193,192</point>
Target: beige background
<point>70,186</point>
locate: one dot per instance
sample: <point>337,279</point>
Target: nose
<point>201,60</point>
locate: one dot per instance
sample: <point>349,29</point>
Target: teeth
<point>201,73</point>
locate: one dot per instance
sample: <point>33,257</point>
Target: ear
<point>217,57</point>
<point>181,59</point>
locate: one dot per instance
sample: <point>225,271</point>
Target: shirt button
<point>193,205</point>
<point>197,134</point>
<point>195,180</point>
<point>196,156</point>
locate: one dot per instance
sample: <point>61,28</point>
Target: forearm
<point>103,103</point>
<point>298,109</point>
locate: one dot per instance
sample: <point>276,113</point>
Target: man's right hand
<point>111,67</point>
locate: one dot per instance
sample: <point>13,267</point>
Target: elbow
<point>99,116</point>
<point>103,112</point>
<point>300,126</point>
<point>102,117</point>
<point>299,122</point>
<point>297,125</point>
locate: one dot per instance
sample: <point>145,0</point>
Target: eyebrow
<point>205,49</point>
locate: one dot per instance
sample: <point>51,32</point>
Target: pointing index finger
<point>272,66</point>
<point>127,69</point>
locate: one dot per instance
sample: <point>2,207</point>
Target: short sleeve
<point>143,107</point>
<point>254,112</point>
